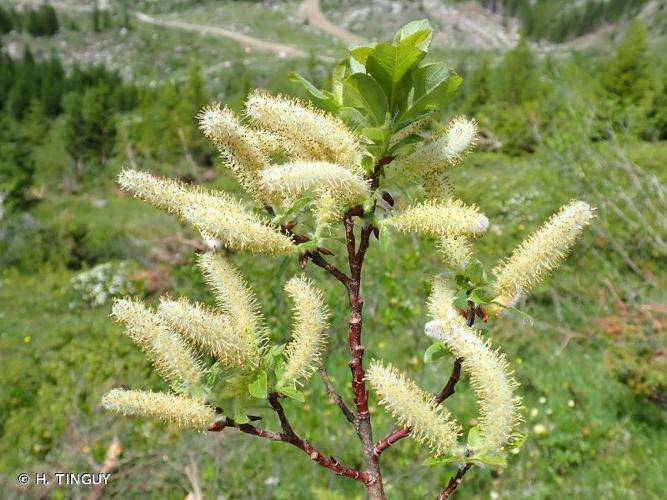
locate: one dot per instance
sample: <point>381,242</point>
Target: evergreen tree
<point>480,89</point>
<point>626,84</point>
<point>5,21</point>
<point>53,77</point>
<point>98,123</point>
<point>17,168</point>
<point>627,80</point>
<point>183,119</point>
<point>516,91</point>
<point>75,140</point>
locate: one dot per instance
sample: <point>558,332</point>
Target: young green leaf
<point>475,438</point>
<point>441,460</point>
<point>361,52</point>
<point>434,352</point>
<point>385,238</point>
<point>433,84</point>
<point>489,459</point>
<point>390,66</point>
<point>258,388</point>
<point>293,393</point>
<point>321,99</point>
<point>240,416</point>
<point>363,92</point>
<point>417,33</point>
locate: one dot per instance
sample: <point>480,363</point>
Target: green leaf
<point>434,352</point>
<point>337,80</point>
<point>353,117</point>
<point>385,238</point>
<point>390,66</point>
<point>417,33</point>
<point>477,297</point>
<point>441,459</point>
<point>406,141</point>
<point>475,272</point>
<point>321,99</point>
<point>433,84</point>
<point>360,53</point>
<point>278,365</point>
<point>377,134</point>
<point>258,387</point>
<point>362,91</point>
<point>240,416</point>
<point>492,459</point>
<point>461,281</point>
<point>277,350</point>
<point>293,393</point>
<point>475,438</point>
<point>461,299</point>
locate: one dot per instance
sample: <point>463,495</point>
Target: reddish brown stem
<point>454,482</point>
<point>333,395</point>
<point>289,436</point>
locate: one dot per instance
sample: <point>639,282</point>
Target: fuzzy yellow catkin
<point>210,332</point>
<point>447,149</point>
<point>435,218</point>
<point>273,144</point>
<point>235,298</point>
<point>182,411</point>
<point>170,356</point>
<point>542,252</point>
<point>297,178</point>
<point>438,186</point>
<point>226,219</point>
<point>308,338</point>
<point>163,193</point>
<point>216,215</point>
<point>236,144</point>
<point>455,250</point>
<point>492,380</point>
<point>411,406</point>
<point>326,210</point>
<point>324,136</point>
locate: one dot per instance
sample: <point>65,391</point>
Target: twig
<point>335,397</point>
<point>320,261</point>
<point>454,482</point>
<point>289,436</point>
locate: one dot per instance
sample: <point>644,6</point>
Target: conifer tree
<point>320,180</point>
<point>626,85</point>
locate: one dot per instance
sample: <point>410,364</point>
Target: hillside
<point>272,31</point>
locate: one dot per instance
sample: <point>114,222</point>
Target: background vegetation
<point>85,91</point>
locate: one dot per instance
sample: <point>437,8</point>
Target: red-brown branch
<point>320,261</point>
<point>333,395</point>
<point>289,436</point>
<point>454,482</point>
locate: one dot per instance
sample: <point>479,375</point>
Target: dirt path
<point>281,49</point>
<point>310,10</point>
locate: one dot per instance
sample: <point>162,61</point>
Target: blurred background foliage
<point>571,98</point>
